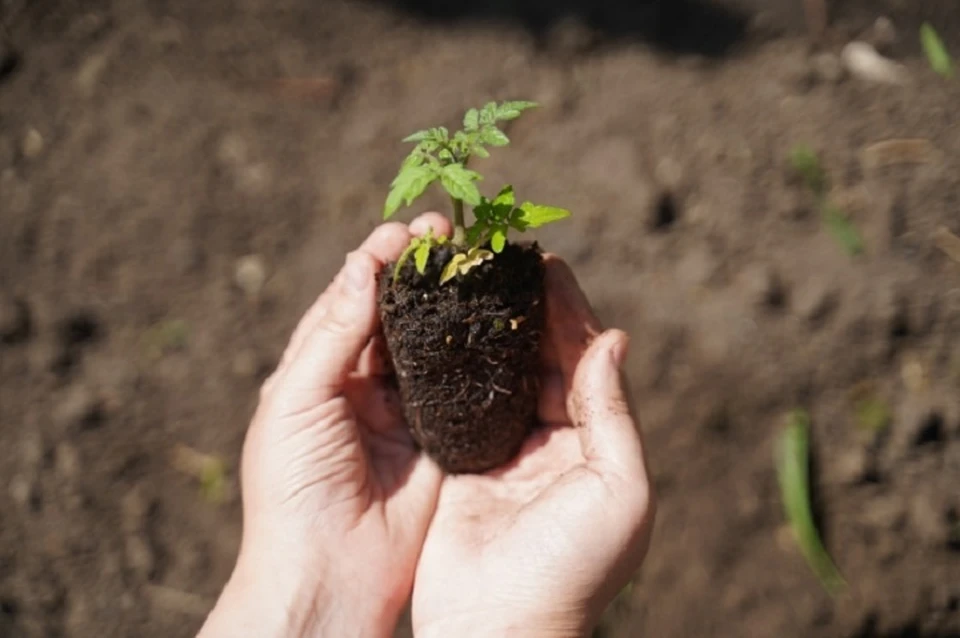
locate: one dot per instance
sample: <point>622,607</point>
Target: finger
<point>384,244</point>
<point>374,361</point>
<point>329,353</point>
<point>598,406</point>
<point>570,323</point>
<point>440,225</point>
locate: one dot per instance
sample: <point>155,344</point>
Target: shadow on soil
<point>673,26</point>
<point>869,630</point>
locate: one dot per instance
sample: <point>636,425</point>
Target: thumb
<point>329,353</point>
<point>598,406</point>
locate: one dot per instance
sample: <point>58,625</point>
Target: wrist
<point>269,603</point>
<point>490,626</point>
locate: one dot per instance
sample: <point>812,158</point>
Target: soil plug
<point>463,315</point>
<point>793,467</point>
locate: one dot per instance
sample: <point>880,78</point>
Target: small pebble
<point>762,286</point>
<point>247,364</point>
<point>669,173</point>
<point>88,76</point>
<point>814,299</point>
<point>141,558</point>
<point>827,68</point>
<point>232,150</point>
<point>864,62</point>
<point>883,34</point>
<point>67,459</point>
<point>250,274</point>
<point>21,490</point>
<point>254,179</point>
<point>912,151</point>
<point>850,467</point>
<point>947,242</point>
<point>79,407</point>
<point>32,144</point>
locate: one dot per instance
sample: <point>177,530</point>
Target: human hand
<point>540,547</point>
<point>336,497</point>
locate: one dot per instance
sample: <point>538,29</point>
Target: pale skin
<point>346,521</point>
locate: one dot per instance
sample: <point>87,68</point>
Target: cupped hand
<point>336,496</point>
<point>540,547</point>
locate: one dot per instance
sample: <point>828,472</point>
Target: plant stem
<point>459,226</point>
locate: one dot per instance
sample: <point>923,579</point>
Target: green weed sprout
<point>441,157</point>
<point>806,163</point>
<point>793,463</point>
<point>936,51</point>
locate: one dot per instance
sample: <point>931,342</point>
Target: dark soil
<point>467,355</point>
<point>147,146</point>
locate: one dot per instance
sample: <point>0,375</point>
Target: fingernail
<point>357,273</point>
<point>618,350</point>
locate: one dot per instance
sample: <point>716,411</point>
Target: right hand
<point>543,545</point>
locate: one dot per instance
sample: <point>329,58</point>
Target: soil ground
<point>147,146</point>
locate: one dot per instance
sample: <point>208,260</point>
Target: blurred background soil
<point>180,179</point>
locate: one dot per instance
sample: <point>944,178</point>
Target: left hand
<point>336,496</point>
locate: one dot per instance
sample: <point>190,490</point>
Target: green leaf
<point>476,234</point>
<point>936,51</point>
<point>873,415</point>
<point>459,182</point>
<point>493,136</point>
<point>394,201</point>
<point>479,151</point>
<point>498,239</point>
<point>475,257</point>
<point>505,196</point>
<point>805,162</point>
<point>415,158</point>
<point>404,256</point>
<point>213,480</point>
<point>483,210</point>
<point>419,136</point>
<point>793,467</point>
<point>534,216</point>
<point>843,230</point>
<point>418,181</point>
<point>451,269</point>
<point>488,114</point>
<point>421,256</point>
<point>471,120</point>
<point>512,110</point>
<point>408,185</point>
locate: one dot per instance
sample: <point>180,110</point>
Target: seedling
<point>936,51</point>
<point>463,316</point>
<point>806,164</point>
<point>872,412</point>
<point>209,470</point>
<point>440,157</point>
<point>165,336</point>
<point>793,469</point>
